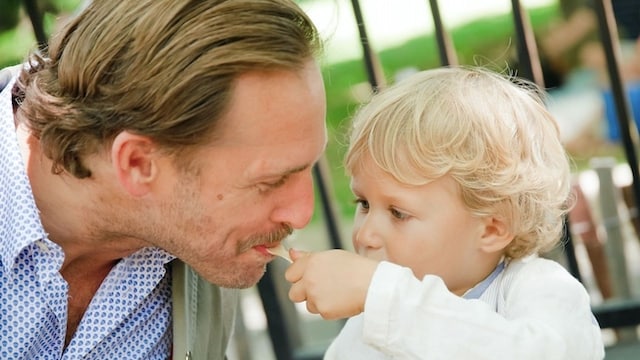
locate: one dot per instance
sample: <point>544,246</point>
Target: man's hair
<point>491,133</point>
<point>159,68</point>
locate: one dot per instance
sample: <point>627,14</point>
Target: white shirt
<point>534,309</point>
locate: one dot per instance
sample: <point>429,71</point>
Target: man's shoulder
<point>8,74</point>
<point>204,314</point>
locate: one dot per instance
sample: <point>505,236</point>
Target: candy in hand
<point>280,251</point>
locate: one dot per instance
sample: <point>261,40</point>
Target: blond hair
<point>490,133</point>
<point>159,68</point>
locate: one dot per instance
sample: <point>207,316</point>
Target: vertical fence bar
<point>31,7</point>
<point>528,58</point>
<point>321,171</point>
<point>531,69</point>
<point>614,246</point>
<point>569,249</point>
<point>609,196</point>
<point>610,44</point>
<point>372,65</point>
<point>445,48</point>
<point>283,334</point>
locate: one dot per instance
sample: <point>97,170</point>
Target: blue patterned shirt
<point>130,314</point>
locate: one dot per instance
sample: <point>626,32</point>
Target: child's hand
<point>334,283</point>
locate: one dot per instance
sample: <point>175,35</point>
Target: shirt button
<point>42,245</point>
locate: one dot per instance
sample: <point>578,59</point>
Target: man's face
<point>254,184</point>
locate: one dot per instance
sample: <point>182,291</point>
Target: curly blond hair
<point>490,132</point>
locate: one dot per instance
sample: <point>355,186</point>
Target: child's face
<point>426,228</point>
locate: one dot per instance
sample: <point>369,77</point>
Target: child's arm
<point>544,313</point>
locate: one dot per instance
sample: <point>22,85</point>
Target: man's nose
<point>296,205</point>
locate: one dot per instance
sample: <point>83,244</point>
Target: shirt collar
<point>160,255</point>
<point>20,223</point>
<point>477,291</point>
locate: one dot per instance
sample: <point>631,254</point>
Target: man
<point>153,130</point>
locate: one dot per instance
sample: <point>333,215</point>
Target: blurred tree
<point>25,24</point>
<point>568,7</point>
<point>10,14</point>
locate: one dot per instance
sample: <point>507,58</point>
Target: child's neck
<point>479,273</point>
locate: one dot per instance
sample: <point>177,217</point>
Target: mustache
<point>274,236</point>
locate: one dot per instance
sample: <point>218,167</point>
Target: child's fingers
<point>297,293</point>
<point>295,254</point>
<point>295,271</point>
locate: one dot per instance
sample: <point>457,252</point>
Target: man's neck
<point>68,209</point>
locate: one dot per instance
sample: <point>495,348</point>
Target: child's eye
<point>398,214</point>
<point>361,203</point>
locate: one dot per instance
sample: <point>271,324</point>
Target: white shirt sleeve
<point>546,315</point>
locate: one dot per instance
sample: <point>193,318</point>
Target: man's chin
<point>239,280</point>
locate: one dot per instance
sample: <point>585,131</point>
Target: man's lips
<point>281,251</point>
<point>274,249</point>
<point>263,248</point>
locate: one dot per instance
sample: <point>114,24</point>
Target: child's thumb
<point>296,254</point>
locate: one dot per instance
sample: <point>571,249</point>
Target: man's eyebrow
<point>294,170</point>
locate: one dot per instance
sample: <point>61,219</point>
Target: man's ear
<point>497,235</point>
<point>134,161</point>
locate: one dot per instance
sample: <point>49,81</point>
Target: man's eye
<point>267,186</point>
<point>276,184</point>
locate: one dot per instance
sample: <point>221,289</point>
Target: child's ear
<point>134,161</point>
<point>497,235</point>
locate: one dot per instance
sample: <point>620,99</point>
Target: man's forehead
<point>271,170</point>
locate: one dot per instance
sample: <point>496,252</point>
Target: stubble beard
<point>231,273</point>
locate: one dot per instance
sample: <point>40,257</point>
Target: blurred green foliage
<point>10,15</point>
<point>16,32</point>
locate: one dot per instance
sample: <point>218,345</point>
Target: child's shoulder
<point>533,263</point>
<point>536,267</point>
<point>534,272</point>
